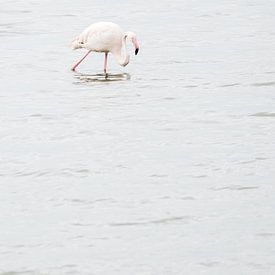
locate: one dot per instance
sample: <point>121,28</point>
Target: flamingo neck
<point>120,59</point>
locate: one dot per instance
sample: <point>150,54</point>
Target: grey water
<point>165,167</point>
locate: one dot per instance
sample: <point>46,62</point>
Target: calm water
<point>165,168</point>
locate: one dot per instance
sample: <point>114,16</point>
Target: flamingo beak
<point>135,43</point>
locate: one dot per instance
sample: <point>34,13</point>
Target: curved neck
<point>120,59</point>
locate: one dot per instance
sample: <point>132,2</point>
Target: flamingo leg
<point>105,63</point>
<point>74,66</point>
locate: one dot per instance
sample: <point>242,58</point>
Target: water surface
<point>166,167</point>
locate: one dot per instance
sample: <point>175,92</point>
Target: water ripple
<point>158,221</point>
<point>236,187</point>
<point>272,83</point>
<point>264,114</point>
<point>101,78</point>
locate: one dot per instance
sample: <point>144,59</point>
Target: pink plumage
<point>105,37</point>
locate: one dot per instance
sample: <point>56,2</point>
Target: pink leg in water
<point>105,63</point>
<point>74,66</point>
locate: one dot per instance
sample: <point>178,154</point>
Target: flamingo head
<point>132,36</point>
<point>76,44</point>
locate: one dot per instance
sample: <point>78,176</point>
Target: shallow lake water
<point>165,167</point>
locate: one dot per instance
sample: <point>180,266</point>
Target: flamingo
<point>105,37</point>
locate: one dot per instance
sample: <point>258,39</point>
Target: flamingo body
<point>105,37</point>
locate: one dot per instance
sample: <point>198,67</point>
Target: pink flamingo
<point>105,37</point>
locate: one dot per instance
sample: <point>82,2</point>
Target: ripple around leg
<point>95,78</point>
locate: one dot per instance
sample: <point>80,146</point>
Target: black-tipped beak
<point>136,51</point>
